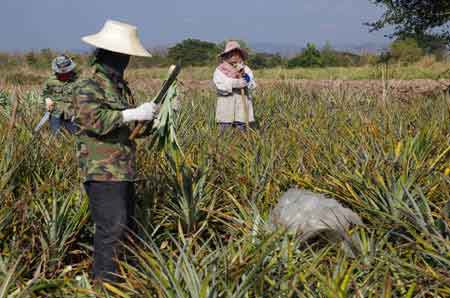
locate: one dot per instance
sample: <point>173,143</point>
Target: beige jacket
<point>230,106</point>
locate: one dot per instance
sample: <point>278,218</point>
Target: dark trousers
<point>112,209</point>
<point>57,122</point>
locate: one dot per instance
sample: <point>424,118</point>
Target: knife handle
<point>136,131</point>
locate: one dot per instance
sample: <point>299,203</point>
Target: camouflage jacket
<point>61,93</point>
<point>103,147</point>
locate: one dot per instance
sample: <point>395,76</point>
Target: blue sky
<point>59,24</point>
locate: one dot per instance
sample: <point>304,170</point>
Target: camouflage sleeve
<point>45,91</point>
<point>92,114</point>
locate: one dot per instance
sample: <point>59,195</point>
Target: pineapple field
<point>376,140</point>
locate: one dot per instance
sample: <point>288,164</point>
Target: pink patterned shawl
<point>229,70</point>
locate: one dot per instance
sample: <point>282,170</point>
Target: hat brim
<point>115,44</point>
<point>242,51</point>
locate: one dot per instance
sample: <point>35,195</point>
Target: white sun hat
<point>118,37</point>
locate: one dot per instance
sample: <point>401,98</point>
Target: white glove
<point>239,83</point>
<point>146,111</point>
<point>49,104</point>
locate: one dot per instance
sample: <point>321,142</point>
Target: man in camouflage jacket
<point>105,116</point>
<point>57,93</point>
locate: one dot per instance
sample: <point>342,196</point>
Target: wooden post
<point>245,103</point>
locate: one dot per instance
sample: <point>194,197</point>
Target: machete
<point>41,122</point>
<point>174,71</point>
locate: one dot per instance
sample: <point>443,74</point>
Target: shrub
<point>310,57</point>
<point>157,59</point>
<point>406,51</point>
<point>426,61</point>
<point>265,60</point>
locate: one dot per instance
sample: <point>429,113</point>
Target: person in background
<point>57,93</point>
<point>234,82</point>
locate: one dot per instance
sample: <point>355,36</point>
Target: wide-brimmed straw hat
<point>118,37</point>
<point>233,45</point>
<point>63,64</point>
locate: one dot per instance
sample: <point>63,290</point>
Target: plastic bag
<point>310,214</point>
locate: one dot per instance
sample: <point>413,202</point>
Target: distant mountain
<point>284,49</point>
<point>368,47</point>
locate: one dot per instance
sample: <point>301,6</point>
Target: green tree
<point>414,17</point>
<point>310,57</point>
<point>329,55</point>
<point>193,52</point>
<point>406,50</point>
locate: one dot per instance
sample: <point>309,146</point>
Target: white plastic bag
<point>309,214</point>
